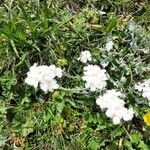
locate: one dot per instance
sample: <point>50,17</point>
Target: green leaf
<point>136,137</point>
<point>28,127</point>
<point>22,59</point>
<point>3,109</point>
<point>128,144</point>
<point>47,116</point>
<point>25,100</point>
<point>93,145</point>
<point>143,146</point>
<point>116,133</point>
<point>3,139</point>
<point>111,25</point>
<point>113,146</point>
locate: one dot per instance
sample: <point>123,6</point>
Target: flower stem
<point>73,77</point>
<point>74,90</point>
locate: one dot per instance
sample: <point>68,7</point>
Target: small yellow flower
<point>55,94</point>
<point>147,118</point>
<point>62,62</point>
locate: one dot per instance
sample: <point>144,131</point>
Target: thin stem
<point>131,75</point>
<point>128,134</point>
<point>74,90</point>
<point>73,77</point>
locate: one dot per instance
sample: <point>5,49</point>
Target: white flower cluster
<point>114,103</point>
<point>85,56</point>
<point>95,77</point>
<point>144,88</point>
<point>44,76</point>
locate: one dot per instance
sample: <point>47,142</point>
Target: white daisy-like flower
<point>109,45</point>
<point>144,87</point>
<point>113,102</point>
<point>44,76</point>
<point>85,56</point>
<point>95,77</point>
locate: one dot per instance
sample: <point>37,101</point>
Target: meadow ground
<point>46,32</point>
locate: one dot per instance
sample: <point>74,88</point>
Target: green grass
<point>49,31</point>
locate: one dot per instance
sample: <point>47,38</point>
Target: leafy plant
<point>56,32</point>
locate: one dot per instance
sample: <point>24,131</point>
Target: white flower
<point>95,77</point>
<point>56,71</point>
<point>114,103</point>
<point>116,120</point>
<point>32,82</point>
<point>128,115</point>
<point>85,56</point>
<point>138,87</point>
<point>50,85</point>
<point>144,88</point>
<point>123,79</point>
<point>109,45</point>
<point>33,77</point>
<point>110,112</point>
<point>44,76</point>
<point>111,99</point>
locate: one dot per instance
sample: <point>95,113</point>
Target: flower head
<point>147,118</point>
<point>55,94</point>
<point>144,87</point>
<point>85,56</point>
<point>33,76</point>
<point>95,77</point>
<point>44,76</point>
<point>62,62</point>
<point>113,102</point>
